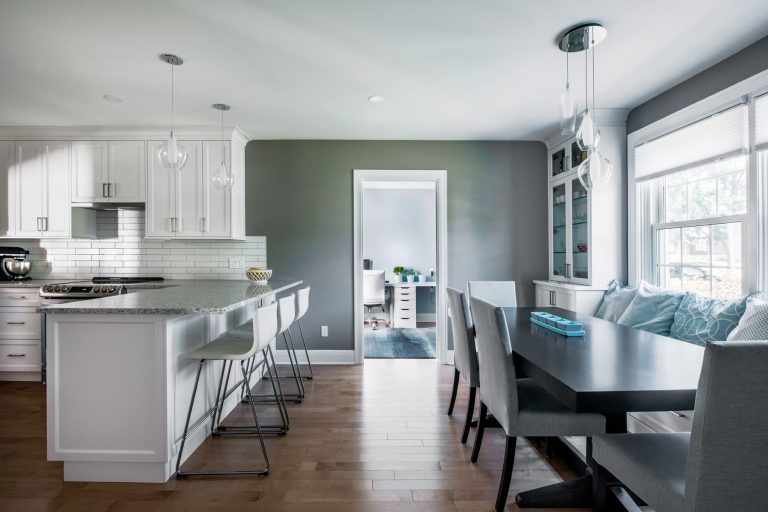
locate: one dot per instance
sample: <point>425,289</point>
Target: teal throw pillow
<point>652,309</point>
<point>700,319</point>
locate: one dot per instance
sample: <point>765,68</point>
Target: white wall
<point>121,250</point>
<point>399,229</point>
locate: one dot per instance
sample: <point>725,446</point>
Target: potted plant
<point>408,273</point>
<point>398,271</point>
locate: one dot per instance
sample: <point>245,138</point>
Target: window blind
<point>761,122</point>
<point>721,135</point>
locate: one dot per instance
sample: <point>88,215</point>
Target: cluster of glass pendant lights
<point>173,156</point>
<point>595,170</point>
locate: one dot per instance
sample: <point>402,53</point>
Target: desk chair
<point>374,293</point>
<point>720,465</point>
<point>522,407</point>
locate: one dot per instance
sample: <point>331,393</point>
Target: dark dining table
<point>613,369</point>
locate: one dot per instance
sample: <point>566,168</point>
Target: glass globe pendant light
<point>567,104</point>
<point>588,136</point>
<point>171,154</point>
<point>223,177</point>
<point>596,171</point>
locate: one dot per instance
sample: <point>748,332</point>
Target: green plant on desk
<point>401,272</point>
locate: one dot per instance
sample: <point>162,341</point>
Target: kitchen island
<point>119,381</point>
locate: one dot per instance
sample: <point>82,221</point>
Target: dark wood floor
<point>367,438</point>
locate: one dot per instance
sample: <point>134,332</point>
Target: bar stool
<point>302,306</point>
<point>229,349</point>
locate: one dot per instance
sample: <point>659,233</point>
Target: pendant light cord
<point>586,81</point>
<point>567,72</point>
<point>223,149</point>
<point>593,70</point>
<point>172,98</point>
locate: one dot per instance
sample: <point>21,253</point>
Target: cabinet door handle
<point>15,323</point>
<point>568,270</point>
<point>18,297</point>
<point>39,224</point>
<point>104,192</point>
<point>16,355</point>
<point>111,187</point>
<point>173,224</point>
<point>551,298</point>
<point>45,223</point>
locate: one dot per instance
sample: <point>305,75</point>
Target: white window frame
<point>645,198</point>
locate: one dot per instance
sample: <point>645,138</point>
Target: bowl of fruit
<point>258,275</point>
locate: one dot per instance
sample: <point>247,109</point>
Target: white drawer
<point>19,325</point>
<point>17,297</point>
<point>20,358</point>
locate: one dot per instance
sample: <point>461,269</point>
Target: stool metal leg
<point>291,397</point>
<point>306,352</point>
<point>297,370</point>
<point>189,416</point>
<point>278,390</point>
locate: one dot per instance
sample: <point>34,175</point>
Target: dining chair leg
<point>506,473</point>
<point>453,391</point>
<point>480,431</point>
<point>470,414</point>
<point>599,487</point>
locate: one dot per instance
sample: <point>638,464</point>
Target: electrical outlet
<point>324,331</point>
<point>237,262</point>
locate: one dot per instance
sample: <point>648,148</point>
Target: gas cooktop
<point>98,287</point>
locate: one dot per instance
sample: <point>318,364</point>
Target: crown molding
<point>206,132</point>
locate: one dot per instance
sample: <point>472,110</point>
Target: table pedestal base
<point>571,493</point>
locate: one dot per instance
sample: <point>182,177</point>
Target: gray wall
<point>299,194</point>
<point>748,62</point>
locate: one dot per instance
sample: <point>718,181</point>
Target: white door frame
<point>439,177</point>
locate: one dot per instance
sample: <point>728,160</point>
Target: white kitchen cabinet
<point>42,176</point>
<point>186,204</point>
<point>573,297</point>
<point>20,334</point>
<point>108,171</point>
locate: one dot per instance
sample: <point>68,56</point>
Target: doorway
<point>400,246</point>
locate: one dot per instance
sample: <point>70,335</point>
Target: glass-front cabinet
<point>570,212</point>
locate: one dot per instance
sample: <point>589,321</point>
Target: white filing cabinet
<point>573,297</point>
<point>20,333</point>
<point>404,305</point>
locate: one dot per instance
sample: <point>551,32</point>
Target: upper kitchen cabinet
<point>186,204</point>
<point>109,171</point>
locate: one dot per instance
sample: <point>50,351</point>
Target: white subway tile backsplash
<point>121,250</point>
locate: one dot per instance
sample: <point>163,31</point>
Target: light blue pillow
<point>652,309</point>
<point>701,320</point>
<point>615,301</point>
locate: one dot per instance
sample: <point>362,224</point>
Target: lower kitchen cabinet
<point>20,334</point>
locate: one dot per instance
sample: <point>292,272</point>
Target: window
<point>695,202</point>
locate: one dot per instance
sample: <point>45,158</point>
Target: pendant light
<point>568,105</point>
<point>223,177</point>
<point>595,170</point>
<point>171,154</point>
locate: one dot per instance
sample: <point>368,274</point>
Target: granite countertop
<point>30,283</point>
<point>178,298</point>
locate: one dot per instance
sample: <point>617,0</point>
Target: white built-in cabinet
<point>109,171</point>
<point>186,204</point>
<point>587,245</point>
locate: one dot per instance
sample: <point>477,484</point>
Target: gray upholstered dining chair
<point>521,406</point>
<point>465,354</point>
<point>721,464</point>
<point>501,293</point>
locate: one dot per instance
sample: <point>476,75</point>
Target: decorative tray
<point>557,324</point>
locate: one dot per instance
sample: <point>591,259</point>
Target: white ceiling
<point>295,69</point>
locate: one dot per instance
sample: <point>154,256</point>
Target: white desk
<point>402,310</point>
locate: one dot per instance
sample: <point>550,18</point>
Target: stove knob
<point>111,289</point>
<point>47,288</point>
<point>65,288</point>
<point>57,288</point>
<point>97,289</point>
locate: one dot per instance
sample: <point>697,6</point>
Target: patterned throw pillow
<point>754,323</point>
<point>652,309</point>
<point>615,301</point>
<point>700,320</point>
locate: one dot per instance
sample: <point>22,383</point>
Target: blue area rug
<point>400,343</point>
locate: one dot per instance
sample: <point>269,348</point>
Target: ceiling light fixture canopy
<point>223,177</point>
<point>595,171</point>
<point>171,154</point>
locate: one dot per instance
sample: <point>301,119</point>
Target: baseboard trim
<point>318,356</point>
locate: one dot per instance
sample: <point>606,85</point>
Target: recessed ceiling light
<point>376,99</point>
<point>113,99</point>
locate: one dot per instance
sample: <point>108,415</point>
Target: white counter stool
<point>287,315</point>
<point>229,349</point>
<point>302,306</point>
